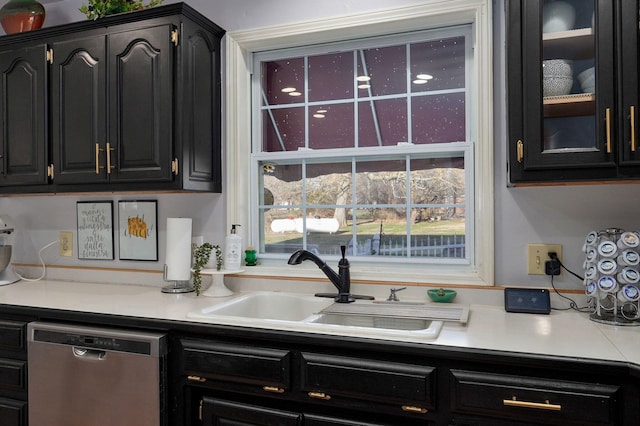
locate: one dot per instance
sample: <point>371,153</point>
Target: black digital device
<point>527,300</point>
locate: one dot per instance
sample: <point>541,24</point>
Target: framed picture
<point>95,230</point>
<point>138,233</point>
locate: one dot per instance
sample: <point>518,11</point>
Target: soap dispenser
<point>233,250</point>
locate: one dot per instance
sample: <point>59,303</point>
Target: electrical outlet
<point>538,254</point>
<point>66,243</point>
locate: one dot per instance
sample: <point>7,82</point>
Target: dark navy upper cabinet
<point>129,102</point>
<point>572,72</point>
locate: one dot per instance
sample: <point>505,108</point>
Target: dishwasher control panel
<point>95,338</point>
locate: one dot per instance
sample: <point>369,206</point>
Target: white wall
<point>563,214</point>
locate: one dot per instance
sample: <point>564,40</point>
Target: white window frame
<point>240,47</point>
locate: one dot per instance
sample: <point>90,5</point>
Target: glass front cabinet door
<point>572,88</point>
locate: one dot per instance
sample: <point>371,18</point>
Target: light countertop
<point>562,333</point>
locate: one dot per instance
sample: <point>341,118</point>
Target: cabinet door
<point>218,412</point>
<point>78,110</point>
<point>200,110</point>
<point>23,132</point>
<point>140,105</point>
<point>629,89</point>
<point>12,412</point>
<point>561,85</point>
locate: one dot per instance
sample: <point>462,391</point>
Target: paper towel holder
<point>178,286</point>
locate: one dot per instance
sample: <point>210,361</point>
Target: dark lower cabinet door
<point>12,412</point>
<point>218,412</point>
<point>78,110</point>
<point>140,112</point>
<point>23,129</point>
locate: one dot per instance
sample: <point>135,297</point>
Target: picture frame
<point>138,229</point>
<point>95,230</point>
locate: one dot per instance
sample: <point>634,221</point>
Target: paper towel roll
<point>178,253</point>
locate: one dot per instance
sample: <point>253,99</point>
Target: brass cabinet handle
<point>520,151</point>
<point>272,389</point>
<point>196,379</point>
<point>174,166</point>
<point>98,159</point>
<point>608,123</point>
<point>50,171</point>
<point>319,395</point>
<point>535,405</point>
<point>109,166</point>
<point>175,37</point>
<point>632,120</point>
<point>414,409</point>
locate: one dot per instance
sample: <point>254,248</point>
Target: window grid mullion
<point>408,202</point>
<point>356,102</point>
<point>304,203</point>
<point>306,103</point>
<point>409,96</point>
<point>354,203</point>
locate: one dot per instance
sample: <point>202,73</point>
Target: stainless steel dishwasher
<point>89,376</point>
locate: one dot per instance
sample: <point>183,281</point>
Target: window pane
<point>381,182</point>
<point>331,127</point>
<point>437,181</point>
<point>438,64</point>
<point>437,238</point>
<point>438,119</point>
<point>279,204</point>
<point>331,77</point>
<point>283,129</point>
<point>282,81</point>
<point>382,71</point>
<point>382,122</point>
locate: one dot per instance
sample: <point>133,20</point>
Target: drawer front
<point>368,379</point>
<point>236,363</point>
<point>528,399</point>
<point>220,412</point>
<point>12,412</point>
<point>13,336</point>
<point>13,375</point>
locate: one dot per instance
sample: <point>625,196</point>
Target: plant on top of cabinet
<point>99,9</point>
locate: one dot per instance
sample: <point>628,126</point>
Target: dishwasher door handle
<point>89,354</point>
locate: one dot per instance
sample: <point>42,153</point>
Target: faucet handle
<point>392,296</point>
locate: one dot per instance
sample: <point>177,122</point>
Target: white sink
<point>299,312</point>
<point>266,305</point>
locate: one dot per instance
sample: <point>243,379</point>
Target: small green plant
<point>201,256</point>
<point>97,9</point>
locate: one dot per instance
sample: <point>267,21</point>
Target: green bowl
<point>441,295</point>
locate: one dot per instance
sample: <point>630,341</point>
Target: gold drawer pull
<point>608,126</point>
<point>414,409</point>
<point>319,395</point>
<point>537,405</point>
<point>632,119</point>
<point>272,389</point>
<point>520,151</point>
<point>108,152</point>
<point>196,379</point>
